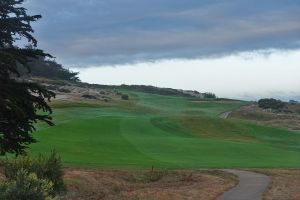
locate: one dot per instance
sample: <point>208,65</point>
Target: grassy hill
<point>164,131</point>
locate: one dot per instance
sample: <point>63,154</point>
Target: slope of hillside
<point>289,118</point>
<point>164,131</point>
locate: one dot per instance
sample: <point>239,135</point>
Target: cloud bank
<point>243,76</point>
<point>108,32</point>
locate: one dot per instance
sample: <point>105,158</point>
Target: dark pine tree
<point>22,103</point>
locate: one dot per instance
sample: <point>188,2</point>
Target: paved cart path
<point>225,115</point>
<point>251,186</point>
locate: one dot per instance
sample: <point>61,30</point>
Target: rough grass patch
<point>147,176</point>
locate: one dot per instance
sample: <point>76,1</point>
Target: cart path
<point>225,115</point>
<point>251,186</point>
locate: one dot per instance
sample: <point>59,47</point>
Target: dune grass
<point>163,131</point>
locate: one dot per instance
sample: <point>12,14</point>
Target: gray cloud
<point>98,32</point>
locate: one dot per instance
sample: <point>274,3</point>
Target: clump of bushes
<point>26,186</point>
<point>148,176</point>
<point>293,102</point>
<point>271,104</point>
<point>88,96</point>
<point>64,90</point>
<point>125,97</point>
<point>45,173</point>
<point>153,176</point>
<point>209,95</point>
<point>51,87</point>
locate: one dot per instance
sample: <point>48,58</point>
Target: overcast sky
<point>247,76</point>
<point>176,43</point>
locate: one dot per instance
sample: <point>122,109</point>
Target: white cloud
<point>248,75</point>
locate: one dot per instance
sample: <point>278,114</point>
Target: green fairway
<point>164,131</point>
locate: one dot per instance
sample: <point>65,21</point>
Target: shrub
<point>209,95</point>
<point>49,168</point>
<point>64,90</point>
<point>27,186</point>
<point>270,104</point>
<point>51,87</point>
<point>88,96</point>
<point>147,177</point>
<point>125,97</point>
<point>153,176</point>
<point>293,102</point>
<point>53,171</point>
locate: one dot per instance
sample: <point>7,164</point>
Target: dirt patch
<point>285,184</point>
<point>162,185</point>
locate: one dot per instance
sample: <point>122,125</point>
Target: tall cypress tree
<point>22,103</point>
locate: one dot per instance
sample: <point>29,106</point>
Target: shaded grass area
<point>163,131</point>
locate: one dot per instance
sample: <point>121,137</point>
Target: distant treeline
<point>49,69</point>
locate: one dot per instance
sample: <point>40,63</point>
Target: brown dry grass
<point>169,185</point>
<point>253,113</point>
<point>163,185</point>
<point>285,184</point>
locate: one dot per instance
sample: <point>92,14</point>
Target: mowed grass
<point>165,132</point>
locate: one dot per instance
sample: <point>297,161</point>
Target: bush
<point>64,90</point>
<point>293,102</point>
<point>153,176</point>
<point>270,104</point>
<point>147,177</point>
<point>51,87</point>
<point>125,97</point>
<point>209,95</point>
<point>88,96</point>
<point>49,168</point>
<point>27,186</point>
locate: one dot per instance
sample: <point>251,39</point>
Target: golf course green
<point>165,132</point>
